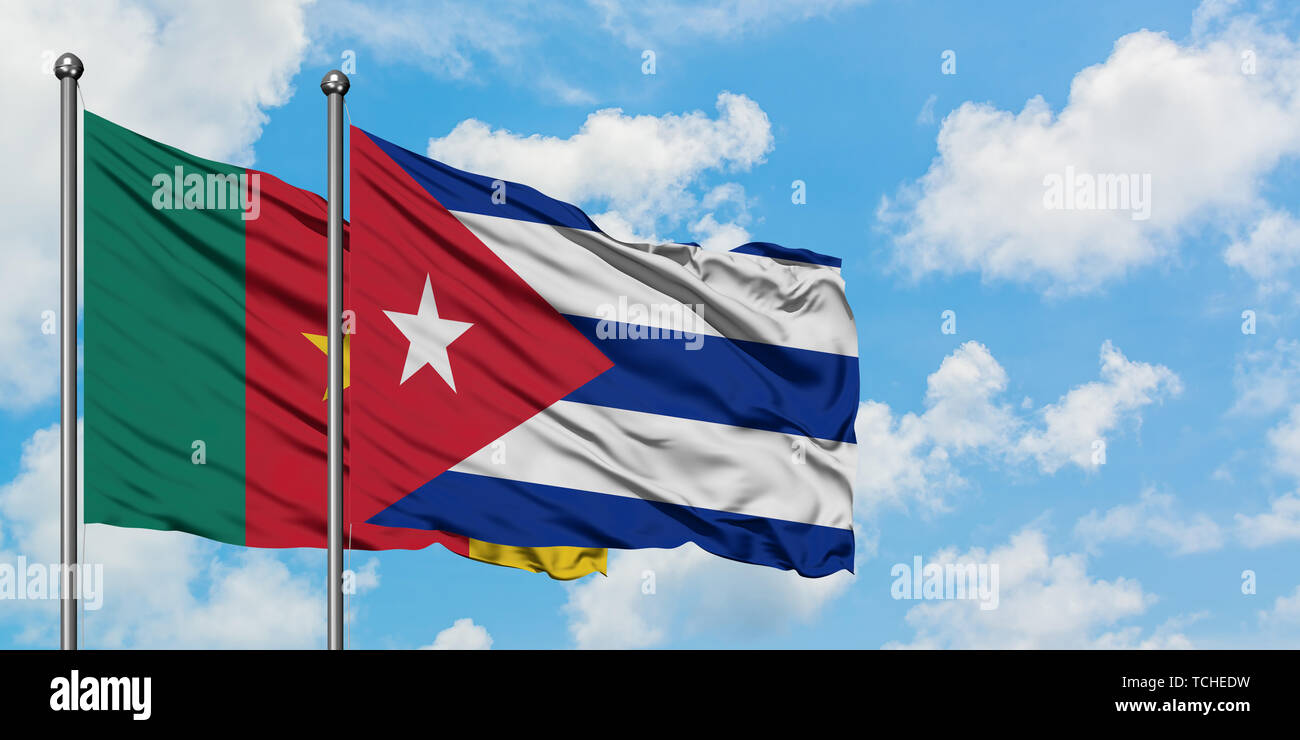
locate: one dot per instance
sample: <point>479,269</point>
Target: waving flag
<point>521,377</point>
<point>204,356</point>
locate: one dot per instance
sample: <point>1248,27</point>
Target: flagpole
<point>68,69</point>
<point>335,85</point>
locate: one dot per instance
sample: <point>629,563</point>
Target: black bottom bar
<point>819,691</point>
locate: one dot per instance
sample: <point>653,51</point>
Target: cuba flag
<point>519,376</point>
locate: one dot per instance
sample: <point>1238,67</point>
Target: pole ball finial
<point>335,81</point>
<point>68,65</point>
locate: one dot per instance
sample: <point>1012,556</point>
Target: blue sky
<point>975,445</point>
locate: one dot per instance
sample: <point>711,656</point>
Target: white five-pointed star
<point>429,336</point>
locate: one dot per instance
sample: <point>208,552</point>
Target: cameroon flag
<point>205,366</point>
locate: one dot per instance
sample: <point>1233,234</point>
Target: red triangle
<point>519,357</point>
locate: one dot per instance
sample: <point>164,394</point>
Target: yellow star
<point>322,343</point>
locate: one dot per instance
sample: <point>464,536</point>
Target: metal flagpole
<point>68,69</point>
<point>335,85</point>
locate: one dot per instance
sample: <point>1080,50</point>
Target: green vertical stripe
<point>164,343</point>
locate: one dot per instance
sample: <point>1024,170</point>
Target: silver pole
<point>68,69</point>
<point>335,85</point>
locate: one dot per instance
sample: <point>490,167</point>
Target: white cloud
<point>673,21</point>
<point>1166,636</point>
<point>729,232</point>
<point>1284,439</point>
<point>1091,411</point>
<point>463,634</point>
<point>960,411</point>
<point>693,593</point>
<point>1151,519</point>
<point>1285,611</point>
<point>617,226</point>
<point>256,601</point>
<point>1153,107</point>
<point>926,116</point>
<point>898,463</point>
<point>150,67</point>
<point>719,236</point>
<point>160,589</point>
<point>1046,602</point>
<point>1267,381</point>
<point>642,168</point>
<point>911,458</point>
<point>1281,523</point>
<point>366,578</point>
<point>1269,252</point>
<point>567,92</point>
<point>450,39</point>
<point>446,38</point>
<point>457,39</point>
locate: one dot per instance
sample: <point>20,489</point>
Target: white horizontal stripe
<point>676,461</point>
<point>743,296</point>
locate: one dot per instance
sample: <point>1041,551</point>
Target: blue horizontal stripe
<point>726,381</point>
<point>776,251</point>
<point>458,190</point>
<point>534,515</point>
